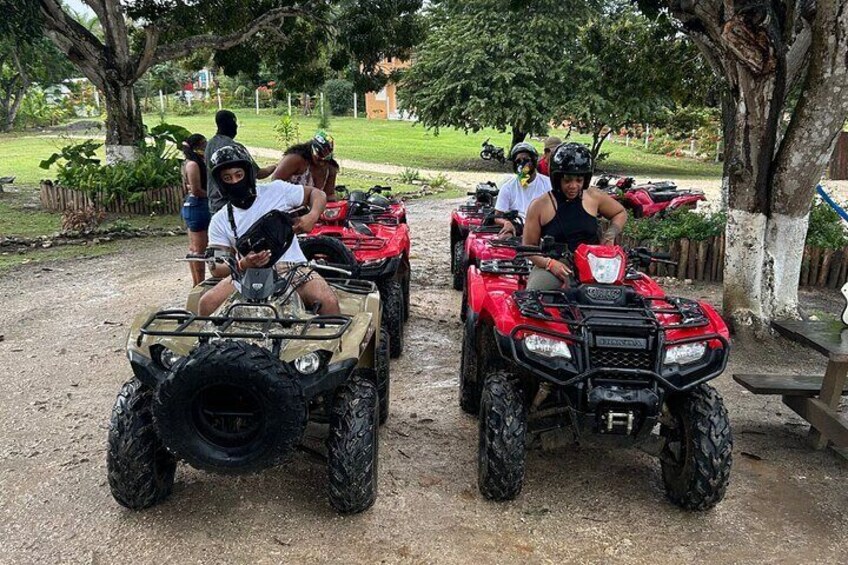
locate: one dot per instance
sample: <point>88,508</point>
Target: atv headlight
<point>605,270</point>
<point>308,364</point>
<point>332,213</point>
<point>683,354</point>
<point>164,356</point>
<point>546,346</point>
<point>374,262</point>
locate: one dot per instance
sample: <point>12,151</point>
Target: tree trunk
<point>124,128</point>
<point>517,136</point>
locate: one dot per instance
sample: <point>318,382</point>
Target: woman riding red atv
<point>569,213</point>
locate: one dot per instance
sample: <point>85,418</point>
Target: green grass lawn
<point>410,145</point>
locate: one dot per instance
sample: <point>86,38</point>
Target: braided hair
<point>189,148</point>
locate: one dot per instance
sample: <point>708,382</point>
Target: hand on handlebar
<point>559,270</point>
<point>254,260</point>
<point>507,229</point>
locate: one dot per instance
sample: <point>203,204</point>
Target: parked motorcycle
<point>492,153</point>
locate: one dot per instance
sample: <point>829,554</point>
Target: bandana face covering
<point>240,194</point>
<point>524,170</point>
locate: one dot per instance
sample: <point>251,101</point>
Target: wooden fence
<point>161,201</point>
<point>704,261</point>
<point>838,169</point>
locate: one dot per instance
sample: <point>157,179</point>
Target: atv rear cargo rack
<point>232,327</point>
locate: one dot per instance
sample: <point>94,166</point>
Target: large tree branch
<point>145,59</point>
<point>187,46</point>
<point>115,30</point>
<point>798,54</point>
<point>98,8</point>
<point>80,45</point>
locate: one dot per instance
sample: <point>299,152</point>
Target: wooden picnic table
<point>814,398</point>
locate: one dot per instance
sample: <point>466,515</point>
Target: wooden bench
<point>784,385</point>
<point>814,398</point>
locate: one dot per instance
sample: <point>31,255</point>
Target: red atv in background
<point>367,234</point>
<point>605,359</point>
<point>483,243</point>
<point>650,198</point>
<point>469,216</point>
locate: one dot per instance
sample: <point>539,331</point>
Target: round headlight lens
<point>308,364</point>
<point>168,358</point>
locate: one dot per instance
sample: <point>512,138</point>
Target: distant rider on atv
<point>519,191</point>
<point>569,213</point>
<point>246,204</point>
<point>311,164</point>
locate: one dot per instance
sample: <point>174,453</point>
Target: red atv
<point>369,237</point>
<point>483,243</point>
<point>605,359</point>
<point>470,215</point>
<point>650,198</point>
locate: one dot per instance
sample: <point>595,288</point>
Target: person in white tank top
<point>310,164</point>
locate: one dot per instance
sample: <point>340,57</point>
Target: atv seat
<point>665,195</point>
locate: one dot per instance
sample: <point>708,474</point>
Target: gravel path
<point>62,362</point>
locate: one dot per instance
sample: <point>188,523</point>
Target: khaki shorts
<point>541,279</point>
<point>304,274</point>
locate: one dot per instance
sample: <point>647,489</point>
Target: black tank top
<point>571,223</point>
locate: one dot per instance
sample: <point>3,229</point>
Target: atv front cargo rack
<point>227,326</point>
<point>518,267</point>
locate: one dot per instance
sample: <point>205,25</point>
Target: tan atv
<point>233,392</point>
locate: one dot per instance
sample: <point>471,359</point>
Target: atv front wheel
<point>391,295</point>
<point>352,446</point>
<point>383,376</point>
<point>469,381</point>
<point>141,471</point>
<point>697,455</point>
<point>502,437</point>
<point>458,265</point>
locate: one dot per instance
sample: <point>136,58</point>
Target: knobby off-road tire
<point>469,379</point>
<point>391,297</point>
<point>225,377</point>
<point>406,296</point>
<point>502,437</point>
<point>140,469</point>
<point>458,265</point>
<point>330,251</point>
<point>697,457</point>
<point>352,446</point>
<point>384,382</point>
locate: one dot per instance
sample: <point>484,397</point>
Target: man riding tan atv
<point>232,390</point>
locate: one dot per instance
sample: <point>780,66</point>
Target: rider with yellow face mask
<point>520,190</point>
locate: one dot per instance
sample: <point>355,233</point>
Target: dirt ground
<point>62,362</point>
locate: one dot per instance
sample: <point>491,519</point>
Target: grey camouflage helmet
<point>523,147</point>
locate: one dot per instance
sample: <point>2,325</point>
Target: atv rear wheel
<point>502,437</point>
<point>329,251</point>
<point>383,375</point>
<point>352,446</point>
<point>230,407</point>
<point>458,265</point>
<point>140,469</point>
<point>406,298</point>
<point>697,455</point>
<point>469,382</point>
<point>391,296</point>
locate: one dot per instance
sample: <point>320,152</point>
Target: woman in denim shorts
<point>196,207</point>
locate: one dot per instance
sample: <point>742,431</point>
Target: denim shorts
<point>196,213</point>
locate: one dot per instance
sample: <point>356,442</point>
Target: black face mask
<point>226,122</point>
<point>241,194</point>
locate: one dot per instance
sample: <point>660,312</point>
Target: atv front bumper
<point>327,378</point>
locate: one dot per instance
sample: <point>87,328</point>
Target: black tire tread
<point>352,446</point>
<point>703,411</point>
<point>140,470</point>
<point>458,267</point>
<point>503,421</point>
<point>384,383</point>
<point>391,297</point>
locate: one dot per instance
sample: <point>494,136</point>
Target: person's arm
<point>317,201</point>
<point>502,206</point>
<point>289,166</point>
<point>533,236</point>
<point>265,172</point>
<point>252,260</point>
<point>192,170</point>
<point>611,209</point>
<point>330,185</point>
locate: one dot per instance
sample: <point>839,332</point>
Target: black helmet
<point>523,147</point>
<point>231,156</point>
<point>572,159</point>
